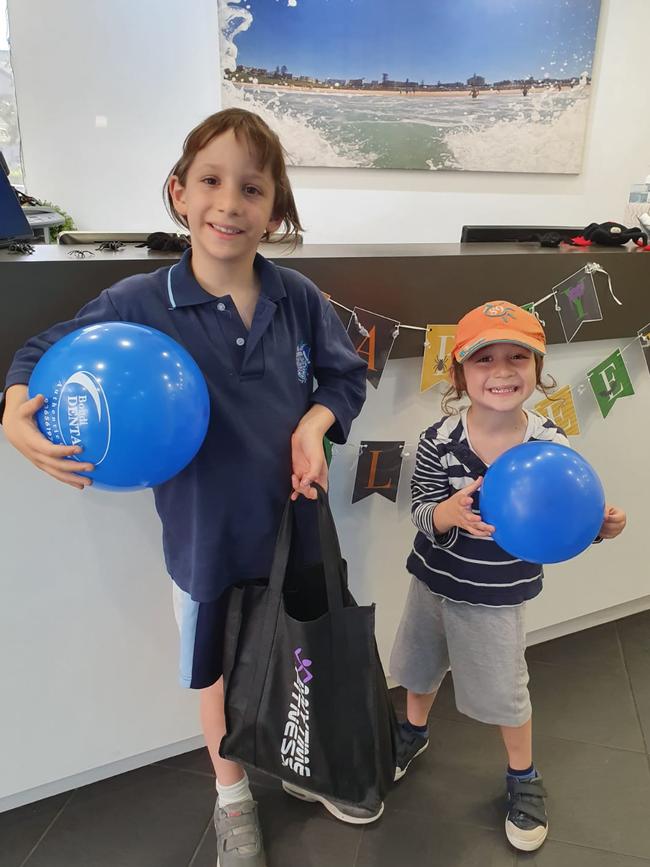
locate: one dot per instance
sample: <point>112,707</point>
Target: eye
<point>211,181</point>
<point>250,190</point>
<point>483,358</point>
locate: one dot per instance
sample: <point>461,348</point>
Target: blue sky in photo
<point>430,40</point>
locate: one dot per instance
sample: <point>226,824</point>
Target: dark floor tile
<point>295,834</point>
<point>598,797</point>
<point>554,854</point>
<point>591,648</point>
<point>408,840</point>
<point>460,778</point>
<point>593,705</point>
<point>20,829</point>
<point>635,640</point>
<point>199,762</point>
<point>152,817</point>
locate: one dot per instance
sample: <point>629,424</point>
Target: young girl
<point>465,608</point>
<point>261,334</point>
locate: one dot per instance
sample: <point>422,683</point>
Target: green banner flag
<point>610,380</point>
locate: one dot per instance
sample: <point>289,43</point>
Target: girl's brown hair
<point>266,146</point>
<point>458,387</point>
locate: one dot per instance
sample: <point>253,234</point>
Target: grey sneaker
<point>353,815</point>
<point>239,836</point>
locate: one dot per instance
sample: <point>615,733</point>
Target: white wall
<point>151,68</point>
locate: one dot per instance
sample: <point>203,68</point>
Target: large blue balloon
<point>132,397</point>
<point>545,501</point>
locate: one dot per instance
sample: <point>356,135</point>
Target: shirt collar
<point>183,290</point>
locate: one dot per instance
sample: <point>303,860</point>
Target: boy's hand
<point>22,432</point>
<point>308,461</point>
<point>614,523</point>
<point>456,511</point>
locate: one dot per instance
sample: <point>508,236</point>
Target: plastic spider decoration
<point>112,246</point>
<point>80,254</point>
<point>21,247</point>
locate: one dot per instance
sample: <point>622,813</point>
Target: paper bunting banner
<point>644,337</point>
<point>378,470</point>
<point>373,337</point>
<point>437,354</point>
<point>577,302</point>
<point>610,381</point>
<point>561,410</point>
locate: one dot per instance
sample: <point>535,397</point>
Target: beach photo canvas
<point>460,85</point>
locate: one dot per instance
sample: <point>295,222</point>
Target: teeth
<point>503,390</point>
<point>226,230</point>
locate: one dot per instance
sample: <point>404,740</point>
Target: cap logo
<point>499,311</point>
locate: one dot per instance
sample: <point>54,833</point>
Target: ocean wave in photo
<point>507,131</point>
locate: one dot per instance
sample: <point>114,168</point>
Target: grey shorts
<point>483,646</point>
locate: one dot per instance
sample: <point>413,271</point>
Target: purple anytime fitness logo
<point>294,752</point>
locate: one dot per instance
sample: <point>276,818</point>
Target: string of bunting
<point>576,302</point>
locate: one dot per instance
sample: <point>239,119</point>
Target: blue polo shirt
<point>220,515</point>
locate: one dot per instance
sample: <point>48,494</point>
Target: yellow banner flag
<point>561,410</point>
<point>437,354</point>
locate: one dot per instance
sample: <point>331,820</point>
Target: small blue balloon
<point>544,500</point>
<point>130,396</point>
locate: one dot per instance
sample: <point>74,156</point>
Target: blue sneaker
<point>409,746</point>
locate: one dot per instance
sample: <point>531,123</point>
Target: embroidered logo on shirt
<point>303,360</point>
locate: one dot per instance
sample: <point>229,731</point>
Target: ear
<point>273,224</point>
<point>177,192</point>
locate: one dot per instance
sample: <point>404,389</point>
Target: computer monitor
<point>487,234</point>
<point>13,222</point>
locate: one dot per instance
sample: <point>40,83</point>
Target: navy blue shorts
<point>201,626</point>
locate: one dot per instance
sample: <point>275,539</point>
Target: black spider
<point>21,247</point>
<point>80,254</point>
<point>112,246</point>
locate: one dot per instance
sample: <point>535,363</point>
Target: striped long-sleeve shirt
<point>455,564</point>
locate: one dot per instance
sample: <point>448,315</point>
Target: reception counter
<point>88,645</point>
<point>415,284</point>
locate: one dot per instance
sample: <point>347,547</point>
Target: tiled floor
<point>591,695</point>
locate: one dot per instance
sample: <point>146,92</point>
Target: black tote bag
<point>305,694</point>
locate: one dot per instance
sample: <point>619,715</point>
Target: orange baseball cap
<point>498,322</point>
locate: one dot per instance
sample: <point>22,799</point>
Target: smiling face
<point>500,376</point>
<point>227,200</point>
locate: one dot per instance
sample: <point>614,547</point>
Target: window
<point>9,133</point>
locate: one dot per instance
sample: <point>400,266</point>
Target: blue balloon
<point>130,396</point>
<point>544,500</point>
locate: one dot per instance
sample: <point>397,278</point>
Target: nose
<point>230,199</point>
<point>504,370</point>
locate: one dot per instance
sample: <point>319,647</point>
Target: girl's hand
<point>614,523</point>
<point>456,511</point>
<point>22,432</point>
<point>308,461</point>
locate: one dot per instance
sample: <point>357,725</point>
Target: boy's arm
<point>339,372</point>
<point>100,309</point>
